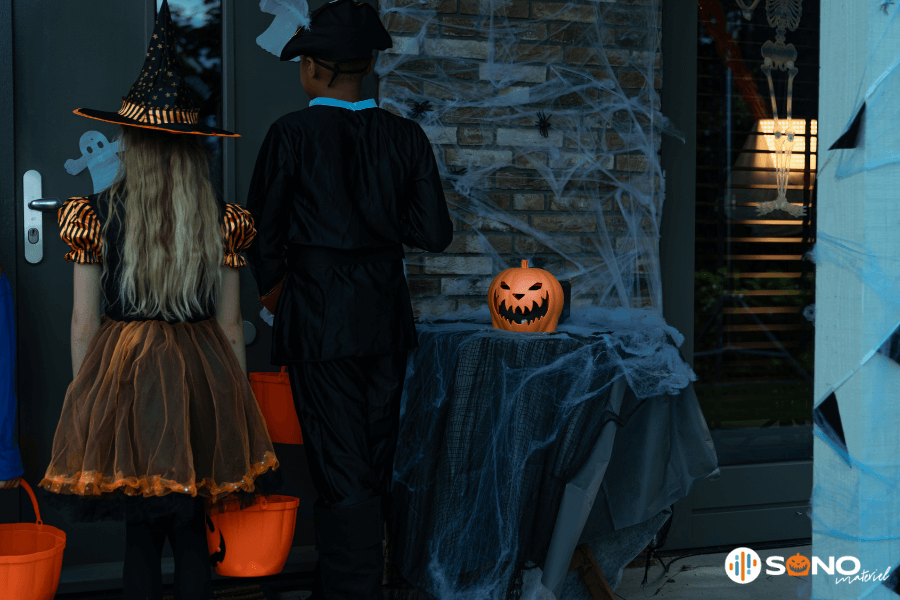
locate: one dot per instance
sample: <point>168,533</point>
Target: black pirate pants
<point>349,412</point>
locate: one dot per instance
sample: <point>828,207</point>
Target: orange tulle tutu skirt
<point>157,409</point>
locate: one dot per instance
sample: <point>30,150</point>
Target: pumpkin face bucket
<point>525,299</point>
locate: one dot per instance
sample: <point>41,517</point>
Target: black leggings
<point>144,540</point>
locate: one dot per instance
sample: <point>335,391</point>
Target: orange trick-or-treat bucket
<point>253,542</point>
<point>273,394</point>
<point>30,557</point>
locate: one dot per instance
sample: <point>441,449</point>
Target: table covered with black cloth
<point>494,424</point>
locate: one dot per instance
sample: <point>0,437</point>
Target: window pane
<point>753,344</point>
<point>199,29</point>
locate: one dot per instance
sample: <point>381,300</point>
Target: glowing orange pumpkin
<point>525,299</point>
<point>797,565</point>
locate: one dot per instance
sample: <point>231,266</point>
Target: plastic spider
<point>459,172</point>
<point>885,4</point>
<point>543,124</point>
<point>420,108</point>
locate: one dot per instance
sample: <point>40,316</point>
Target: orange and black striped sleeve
<point>79,227</point>
<point>238,232</point>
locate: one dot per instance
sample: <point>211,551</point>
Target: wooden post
<point>583,560</point>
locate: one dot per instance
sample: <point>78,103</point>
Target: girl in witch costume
<point>337,189</point>
<point>159,419</point>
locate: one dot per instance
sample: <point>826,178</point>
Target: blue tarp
<point>10,462</point>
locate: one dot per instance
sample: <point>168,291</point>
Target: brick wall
<point>446,40</point>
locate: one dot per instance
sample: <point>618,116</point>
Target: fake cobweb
<point>484,457</point>
<point>546,127</point>
<point>854,499</point>
<point>545,122</point>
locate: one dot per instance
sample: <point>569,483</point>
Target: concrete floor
<point>704,577</point>
<point>697,577</point>
<point>692,578</point>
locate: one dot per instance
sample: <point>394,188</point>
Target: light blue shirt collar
<point>361,105</point>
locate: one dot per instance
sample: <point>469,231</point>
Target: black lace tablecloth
<point>494,425</point>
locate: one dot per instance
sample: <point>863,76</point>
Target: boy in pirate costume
<point>337,189</point>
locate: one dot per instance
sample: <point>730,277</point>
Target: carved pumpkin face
<point>797,565</point>
<point>524,299</point>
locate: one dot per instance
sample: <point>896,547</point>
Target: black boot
<point>351,556</point>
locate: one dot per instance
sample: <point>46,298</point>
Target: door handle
<point>45,204</point>
<point>32,217</point>
<point>34,230</point>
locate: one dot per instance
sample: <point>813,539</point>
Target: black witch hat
<point>159,99</point>
<point>341,30</point>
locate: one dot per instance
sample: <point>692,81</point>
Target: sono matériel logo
<point>743,565</point>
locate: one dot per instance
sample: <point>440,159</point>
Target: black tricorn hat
<point>159,99</point>
<point>339,31</point>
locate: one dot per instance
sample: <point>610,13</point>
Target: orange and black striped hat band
<point>156,116</point>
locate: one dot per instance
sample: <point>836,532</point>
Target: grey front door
<point>80,54</point>
<point>72,55</point>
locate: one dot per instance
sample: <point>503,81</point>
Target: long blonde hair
<point>172,238</point>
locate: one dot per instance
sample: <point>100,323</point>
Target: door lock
<point>34,221</point>
<point>34,226</point>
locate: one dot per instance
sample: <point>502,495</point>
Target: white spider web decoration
<point>586,200</point>
<point>290,15</point>
<point>546,124</point>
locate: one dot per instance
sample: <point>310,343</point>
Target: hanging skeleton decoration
<point>783,15</point>
<point>747,11</point>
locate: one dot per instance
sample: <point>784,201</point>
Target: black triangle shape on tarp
<point>828,418</point>
<point>852,138</point>
<point>893,581</point>
<point>891,348</point>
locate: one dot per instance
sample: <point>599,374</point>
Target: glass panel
<point>753,344</point>
<point>199,29</point>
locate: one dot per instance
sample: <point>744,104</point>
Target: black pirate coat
<point>337,188</point>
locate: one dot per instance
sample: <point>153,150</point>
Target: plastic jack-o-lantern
<point>797,565</point>
<point>525,299</point>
